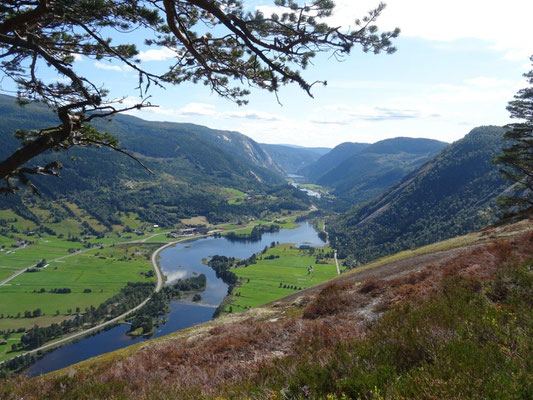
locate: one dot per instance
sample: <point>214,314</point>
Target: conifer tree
<point>517,160</point>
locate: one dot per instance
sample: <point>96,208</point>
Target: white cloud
<point>197,109</point>
<point>210,111</point>
<point>107,67</point>
<point>388,113</point>
<point>160,54</point>
<point>329,121</point>
<point>506,26</point>
<point>251,114</point>
<point>476,91</point>
<point>487,82</point>
<point>354,84</point>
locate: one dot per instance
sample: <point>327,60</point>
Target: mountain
<point>170,139</point>
<point>371,171</point>
<point>450,195</point>
<point>331,159</point>
<point>194,168</point>
<point>293,158</point>
<point>204,148</point>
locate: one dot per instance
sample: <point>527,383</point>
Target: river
<point>177,262</point>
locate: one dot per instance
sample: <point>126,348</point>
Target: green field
<point>286,223</point>
<point>315,188</point>
<point>104,271</point>
<point>234,196</point>
<point>5,352</point>
<point>74,264</point>
<point>260,282</point>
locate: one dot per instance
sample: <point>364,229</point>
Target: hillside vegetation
<point>331,159</point>
<point>451,195</point>
<point>367,174</point>
<point>193,168</point>
<point>451,322</point>
<point>293,158</point>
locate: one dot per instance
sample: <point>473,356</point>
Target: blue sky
<point>458,64</point>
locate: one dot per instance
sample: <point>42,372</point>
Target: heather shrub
<point>464,341</point>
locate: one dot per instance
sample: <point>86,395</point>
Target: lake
<point>181,261</point>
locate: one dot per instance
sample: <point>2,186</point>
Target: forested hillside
<point>293,158</point>
<point>452,194</point>
<point>331,159</point>
<point>367,174</point>
<point>195,170</point>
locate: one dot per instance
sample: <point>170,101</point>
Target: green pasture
<point>288,223</point>
<point>104,271</point>
<point>234,193</point>
<point>48,248</point>
<point>260,282</point>
<point>28,323</point>
<point>315,188</point>
<point>229,226</point>
<point>16,220</point>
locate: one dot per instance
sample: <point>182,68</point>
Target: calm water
<point>181,261</point>
<point>309,192</point>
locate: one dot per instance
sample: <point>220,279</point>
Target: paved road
<point>96,328</point>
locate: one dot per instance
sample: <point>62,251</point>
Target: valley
<point>66,256</point>
<point>276,331</point>
<point>266,200</point>
<point>184,313</point>
<point>293,257</point>
<point>87,270</point>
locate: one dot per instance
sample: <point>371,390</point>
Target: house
<point>198,230</point>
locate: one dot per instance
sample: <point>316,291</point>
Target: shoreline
<point>161,278</point>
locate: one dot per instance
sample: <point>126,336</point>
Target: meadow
<point>92,278</point>
<point>92,274</point>
<point>243,230</point>
<point>264,281</point>
<point>102,271</point>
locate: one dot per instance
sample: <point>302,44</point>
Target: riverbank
<point>281,270</point>
<point>170,261</point>
<point>79,335</point>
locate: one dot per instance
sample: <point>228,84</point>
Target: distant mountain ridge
<point>167,140</point>
<point>155,140</point>
<point>331,159</point>
<point>292,158</point>
<point>450,195</point>
<point>371,171</point>
<point>194,167</point>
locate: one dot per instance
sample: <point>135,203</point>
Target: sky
<point>457,65</point>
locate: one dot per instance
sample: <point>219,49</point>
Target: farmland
<point>272,278</point>
<point>79,267</point>
<point>91,278</point>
